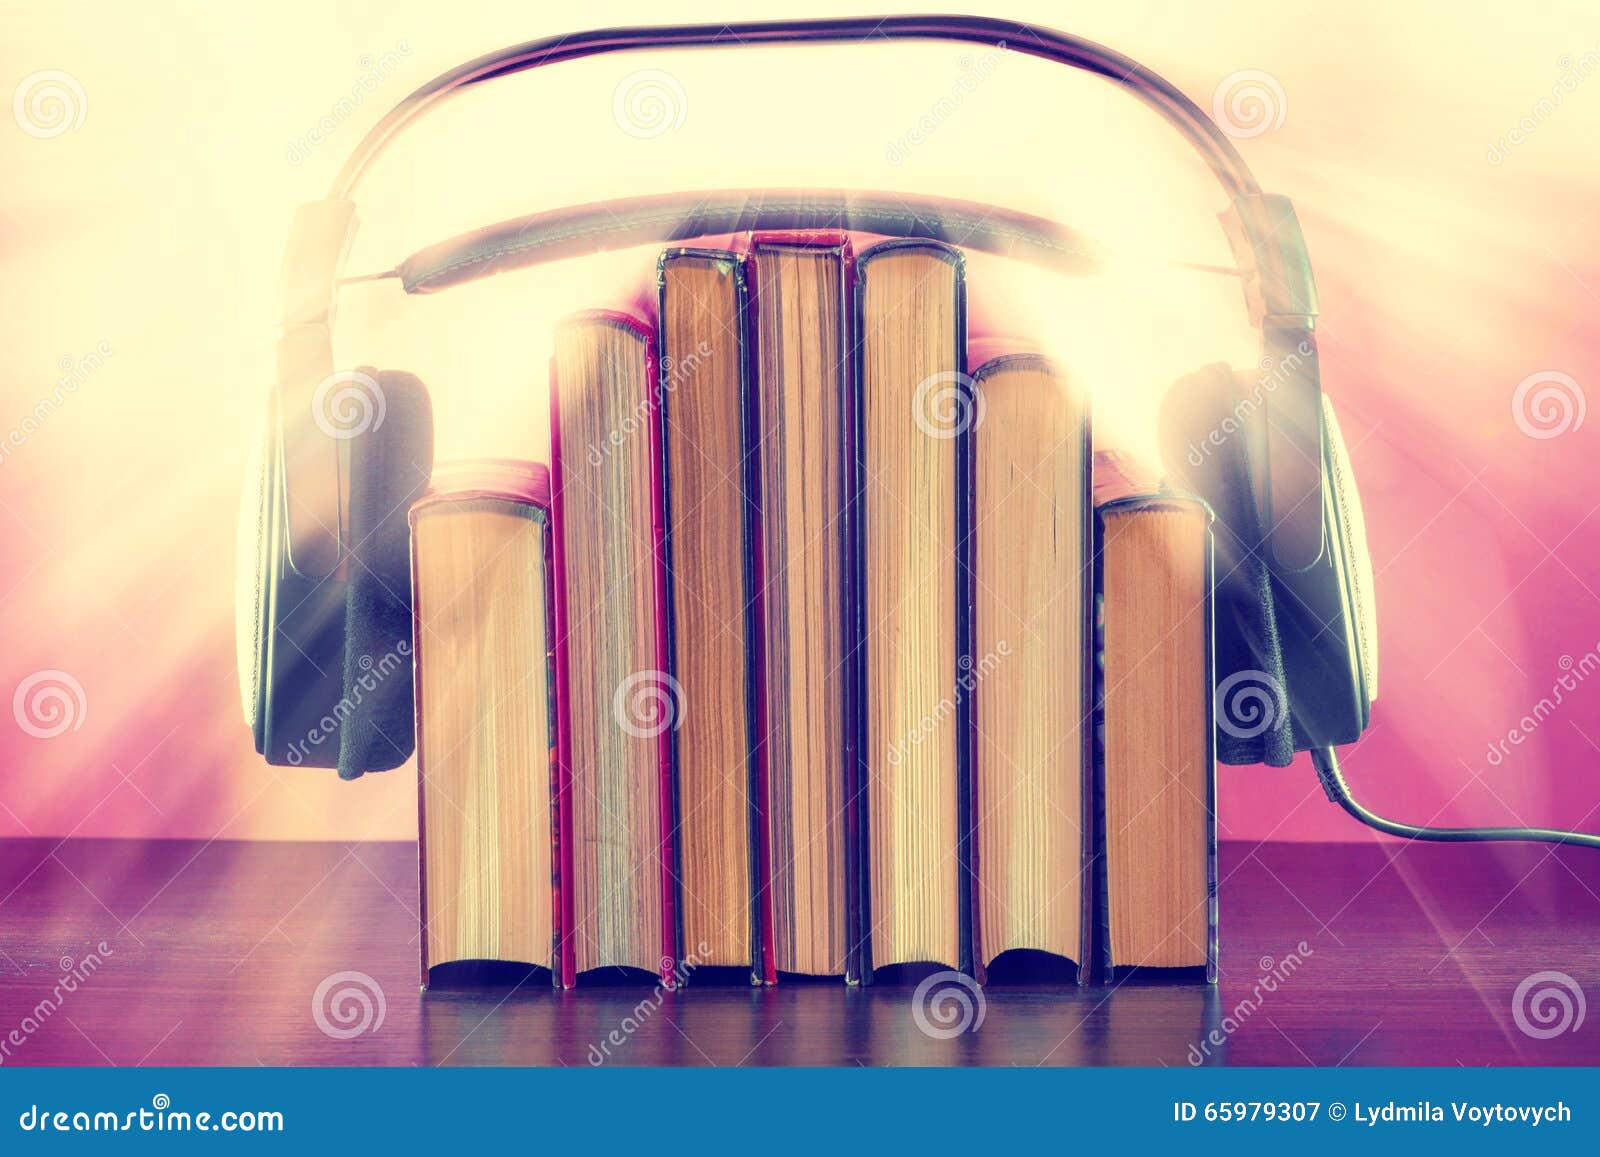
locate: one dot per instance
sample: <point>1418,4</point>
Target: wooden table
<point>185,953</point>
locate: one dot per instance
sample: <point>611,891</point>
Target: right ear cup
<point>1289,653</point>
<point>390,466</point>
<point>1352,528</point>
<point>1204,445</point>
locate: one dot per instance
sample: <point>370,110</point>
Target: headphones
<point>324,531</point>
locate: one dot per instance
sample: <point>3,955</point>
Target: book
<point>914,410</point>
<point>713,627</point>
<point>838,659</point>
<point>480,559</point>
<point>616,705</point>
<point>1030,676</point>
<point>1156,772</point>
<point>802,409</point>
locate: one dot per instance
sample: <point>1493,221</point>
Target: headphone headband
<point>1172,105</point>
<point>1261,229</point>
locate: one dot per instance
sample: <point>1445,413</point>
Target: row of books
<point>812,654</point>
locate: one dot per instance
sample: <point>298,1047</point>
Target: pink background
<point>1446,281</point>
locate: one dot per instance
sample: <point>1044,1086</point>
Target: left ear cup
<point>1289,668</point>
<point>250,579</point>
<point>390,466</point>
<point>325,661</point>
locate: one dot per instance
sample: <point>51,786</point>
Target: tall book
<point>714,628</point>
<point>615,700</point>
<point>802,409</point>
<point>1156,772</point>
<point>915,411</point>
<point>1031,674</point>
<point>486,722</point>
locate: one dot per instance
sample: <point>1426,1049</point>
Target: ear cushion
<point>1358,556</point>
<point>1288,644</point>
<point>1204,442</point>
<point>250,579</point>
<point>390,465</point>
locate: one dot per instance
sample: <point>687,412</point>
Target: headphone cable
<point>1327,764</point>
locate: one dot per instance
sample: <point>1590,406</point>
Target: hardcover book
<point>1031,662</point>
<point>1156,772</point>
<point>615,704</point>
<point>912,503</point>
<point>486,721</point>
<point>801,407</point>
<point>713,621</point>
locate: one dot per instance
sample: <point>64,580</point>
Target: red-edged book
<point>617,705</point>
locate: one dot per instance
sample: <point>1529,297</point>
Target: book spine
<point>858,961</point>
<point>850,627</point>
<point>1210,678</point>
<point>667,634</point>
<point>1087,822</point>
<point>566,953</point>
<point>763,955</point>
<point>665,795</point>
<point>422,774</point>
<point>970,957</point>
<point>556,728</point>
<point>1099,936</point>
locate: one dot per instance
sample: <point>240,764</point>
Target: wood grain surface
<point>217,951</point>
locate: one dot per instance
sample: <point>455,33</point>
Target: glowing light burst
<point>1445,281</point>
